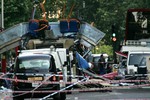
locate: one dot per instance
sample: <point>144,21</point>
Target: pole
<point>16,51</point>
<point>3,63</point>
<point>2,13</point>
<point>3,60</point>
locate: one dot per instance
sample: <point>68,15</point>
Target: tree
<point>16,11</point>
<point>103,13</point>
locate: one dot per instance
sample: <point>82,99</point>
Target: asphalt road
<point>119,94</point>
<point>123,94</point>
<point>115,94</point>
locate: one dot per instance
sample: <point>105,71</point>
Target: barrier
<point>85,80</point>
<point>62,90</point>
<point>53,82</point>
<point>85,90</point>
<point>53,92</point>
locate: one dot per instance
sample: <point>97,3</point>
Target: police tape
<point>79,90</point>
<point>85,82</point>
<point>63,89</point>
<point>86,89</point>
<point>54,82</point>
<point>53,92</point>
<point>36,74</point>
<point>73,76</point>
<point>8,73</point>
<point>72,83</point>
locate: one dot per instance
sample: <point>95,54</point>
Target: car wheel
<point>59,96</point>
<point>56,96</point>
<point>63,96</point>
<point>18,98</point>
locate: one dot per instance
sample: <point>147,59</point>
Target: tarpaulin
<point>81,61</point>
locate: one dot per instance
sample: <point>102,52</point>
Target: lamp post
<point>3,56</point>
<point>2,14</point>
<point>83,4</point>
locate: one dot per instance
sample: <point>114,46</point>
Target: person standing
<point>101,64</point>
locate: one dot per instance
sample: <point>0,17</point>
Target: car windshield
<point>34,64</point>
<point>143,62</point>
<point>96,59</point>
<point>137,58</point>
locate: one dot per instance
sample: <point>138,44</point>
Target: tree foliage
<point>103,13</point>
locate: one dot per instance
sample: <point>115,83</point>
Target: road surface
<point>116,94</point>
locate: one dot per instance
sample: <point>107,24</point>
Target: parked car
<point>94,58</point>
<point>35,67</point>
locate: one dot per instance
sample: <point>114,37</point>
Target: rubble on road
<point>5,94</point>
<point>95,81</point>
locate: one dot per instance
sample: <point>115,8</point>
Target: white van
<point>135,60</point>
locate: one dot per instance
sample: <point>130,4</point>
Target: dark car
<point>94,58</point>
<point>36,68</point>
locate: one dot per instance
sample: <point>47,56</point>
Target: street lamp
<point>2,14</point>
<point>83,4</point>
